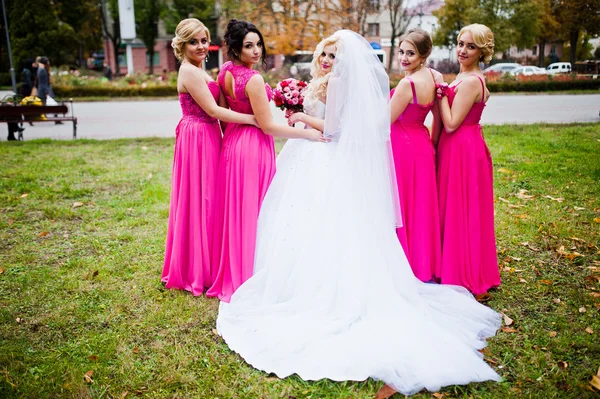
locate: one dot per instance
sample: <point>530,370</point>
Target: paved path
<point>120,119</point>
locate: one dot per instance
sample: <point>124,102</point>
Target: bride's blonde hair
<point>317,87</point>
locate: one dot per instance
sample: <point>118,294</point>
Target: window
<point>373,29</point>
<point>373,5</point>
<point>534,50</point>
<point>155,59</point>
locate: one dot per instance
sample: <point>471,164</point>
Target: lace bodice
<point>241,76</point>
<point>191,109</point>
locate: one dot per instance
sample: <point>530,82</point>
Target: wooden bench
<point>16,113</point>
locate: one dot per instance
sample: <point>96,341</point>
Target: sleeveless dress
<point>246,168</point>
<point>333,296</point>
<point>187,264</point>
<point>414,160</point>
<point>466,200</point>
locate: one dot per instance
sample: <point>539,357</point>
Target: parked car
<point>558,67</point>
<point>502,67</point>
<point>528,70</point>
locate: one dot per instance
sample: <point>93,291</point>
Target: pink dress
<point>466,197</point>
<point>246,168</point>
<point>414,160</point>
<point>187,264</point>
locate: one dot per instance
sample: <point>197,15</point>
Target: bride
<point>332,295</point>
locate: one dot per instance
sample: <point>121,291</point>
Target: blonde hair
<point>186,30</point>
<point>317,87</point>
<point>483,39</point>
<point>421,41</point>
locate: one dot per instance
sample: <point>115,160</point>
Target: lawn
<point>83,313</point>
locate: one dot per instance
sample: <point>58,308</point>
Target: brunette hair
<point>234,38</point>
<point>421,40</point>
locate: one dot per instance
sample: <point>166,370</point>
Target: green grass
<point>80,285</point>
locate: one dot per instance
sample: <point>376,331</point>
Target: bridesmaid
<point>247,162</point>
<point>187,264</point>
<point>465,171</point>
<point>414,155</point>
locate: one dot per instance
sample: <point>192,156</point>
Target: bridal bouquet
<point>289,95</point>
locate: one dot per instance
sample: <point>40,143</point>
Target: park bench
<point>12,111</point>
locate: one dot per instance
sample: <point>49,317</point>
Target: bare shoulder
<point>256,82</point>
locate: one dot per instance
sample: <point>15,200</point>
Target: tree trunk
<point>151,61</point>
<point>116,44</point>
<point>542,53</point>
<point>573,39</point>
<point>392,48</point>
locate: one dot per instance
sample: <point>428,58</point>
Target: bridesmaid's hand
<point>255,122</point>
<point>296,117</point>
<point>437,77</point>
<point>315,135</point>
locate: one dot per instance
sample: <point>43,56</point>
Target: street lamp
<point>12,69</point>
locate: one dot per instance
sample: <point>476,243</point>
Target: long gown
<point>187,264</point>
<point>466,199</point>
<point>414,160</point>
<point>333,295</point>
<point>246,168</point>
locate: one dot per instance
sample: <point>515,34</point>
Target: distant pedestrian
<point>44,80</point>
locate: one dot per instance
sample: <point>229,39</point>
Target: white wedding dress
<point>333,295</point>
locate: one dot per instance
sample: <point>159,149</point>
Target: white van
<point>559,67</point>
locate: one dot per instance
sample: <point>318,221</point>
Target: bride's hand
<point>315,135</point>
<point>296,117</point>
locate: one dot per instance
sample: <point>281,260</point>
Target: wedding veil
<point>358,117</point>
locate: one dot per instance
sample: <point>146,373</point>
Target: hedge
<point>168,90</point>
<point>111,91</point>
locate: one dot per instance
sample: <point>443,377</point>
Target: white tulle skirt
<point>333,295</point>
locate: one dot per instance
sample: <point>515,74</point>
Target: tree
<point>112,28</point>
<point>84,18</point>
<point>548,27</point>
<point>177,10</point>
<point>452,17</point>
<point>147,15</point>
<point>576,16</point>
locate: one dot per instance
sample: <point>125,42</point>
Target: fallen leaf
<point>504,200</point>
<point>95,273</point>
<point>515,258</point>
<point>19,320</point>
<point>10,222</point>
<point>554,199</point>
<point>547,282</point>
<point>502,170</point>
<point>77,204</point>
<point>136,350</point>
<point>515,206</point>
<point>582,309</point>
<point>24,195</point>
<point>271,379</point>
<point>595,294</point>
<point>507,320</point>
<point>589,330</point>
<point>597,220</point>
<point>509,329</point>
<point>1,270</point>
<point>529,246</point>
<point>144,148</point>
<point>522,194</point>
<point>214,330</point>
<point>595,382</point>
<point>562,365</point>
<point>483,297</point>
<point>522,280</point>
<point>553,334</point>
<point>577,239</point>
<point>437,394</point>
<point>88,376</point>
<point>43,234</point>
<point>93,358</point>
<point>124,394</point>
<point>578,208</point>
<point>556,300</point>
